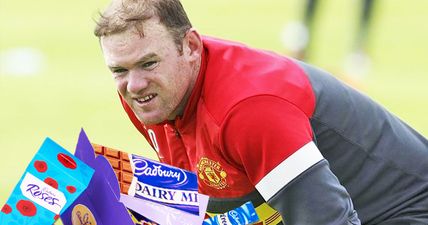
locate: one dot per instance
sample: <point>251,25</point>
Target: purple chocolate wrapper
<point>99,204</point>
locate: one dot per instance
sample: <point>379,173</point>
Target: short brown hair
<point>122,15</point>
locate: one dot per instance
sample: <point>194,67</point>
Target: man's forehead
<point>149,29</point>
<point>120,48</point>
<point>129,47</point>
<point>121,38</point>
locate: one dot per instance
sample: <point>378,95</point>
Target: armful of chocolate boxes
<point>103,186</point>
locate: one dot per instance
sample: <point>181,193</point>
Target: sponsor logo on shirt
<point>211,173</point>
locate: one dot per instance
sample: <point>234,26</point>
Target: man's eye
<point>150,65</point>
<point>119,70</point>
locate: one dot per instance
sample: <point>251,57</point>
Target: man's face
<point>153,77</point>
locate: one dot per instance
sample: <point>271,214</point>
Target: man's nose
<point>136,82</point>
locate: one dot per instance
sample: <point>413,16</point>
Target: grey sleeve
<point>315,197</point>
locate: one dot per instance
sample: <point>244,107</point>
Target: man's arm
<point>291,174</point>
<point>315,197</point>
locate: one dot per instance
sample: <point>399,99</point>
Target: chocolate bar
<point>243,215</point>
<point>153,181</point>
<point>163,214</point>
<point>99,203</point>
<point>121,165</point>
<point>165,184</point>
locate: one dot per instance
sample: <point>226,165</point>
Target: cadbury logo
<point>42,194</point>
<point>81,215</point>
<point>143,167</point>
<point>223,219</point>
<point>84,220</point>
<point>235,216</point>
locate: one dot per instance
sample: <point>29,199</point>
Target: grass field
<point>74,89</point>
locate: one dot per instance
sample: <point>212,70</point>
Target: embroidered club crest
<point>211,173</point>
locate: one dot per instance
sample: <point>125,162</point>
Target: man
<point>261,127</point>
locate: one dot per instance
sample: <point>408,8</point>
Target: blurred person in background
<point>299,37</point>
<point>256,126</point>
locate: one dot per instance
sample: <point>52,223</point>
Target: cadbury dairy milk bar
<point>152,180</point>
<point>161,183</point>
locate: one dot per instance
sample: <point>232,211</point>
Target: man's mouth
<point>146,98</point>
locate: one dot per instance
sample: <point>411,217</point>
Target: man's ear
<point>192,46</point>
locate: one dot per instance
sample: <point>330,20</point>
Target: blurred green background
<point>68,87</point>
